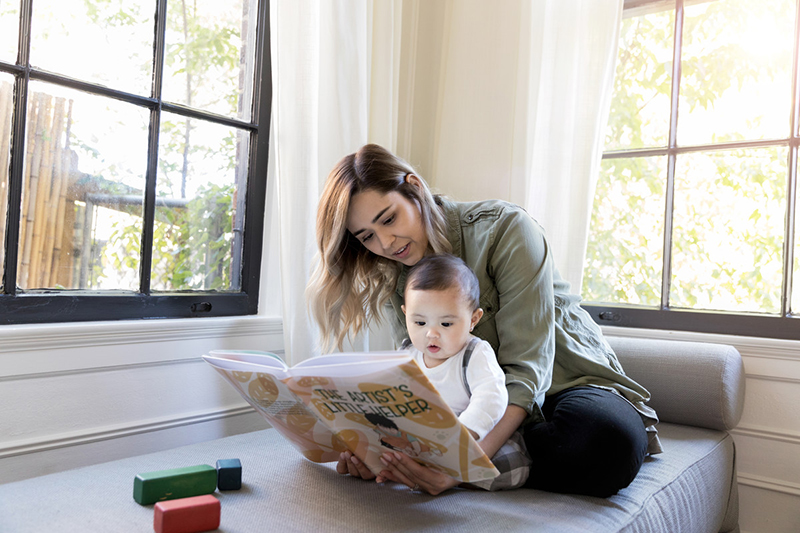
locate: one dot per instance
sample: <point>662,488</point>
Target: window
<point>133,156</point>
<point>694,225</point>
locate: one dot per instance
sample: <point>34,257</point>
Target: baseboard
<point>16,448</point>
<point>51,456</point>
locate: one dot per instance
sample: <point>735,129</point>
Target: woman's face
<point>389,225</point>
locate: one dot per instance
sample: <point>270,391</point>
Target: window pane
<point>728,230</point>
<point>85,163</point>
<point>640,106</point>
<point>625,248</point>
<point>736,71</point>
<point>6,113</point>
<point>210,55</point>
<point>104,42</point>
<point>9,31</point>
<point>202,177</point>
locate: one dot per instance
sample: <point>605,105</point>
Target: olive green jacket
<point>544,341</point>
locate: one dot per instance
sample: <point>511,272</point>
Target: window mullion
<point>666,271</point>
<point>259,150</point>
<point>791,181</point>
<point>152,149</point>
<point>788,245</point>
<point>17,163</point>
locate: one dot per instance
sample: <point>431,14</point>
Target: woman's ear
<point>414,180</point>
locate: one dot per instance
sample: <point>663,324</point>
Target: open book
<point>368,403</point>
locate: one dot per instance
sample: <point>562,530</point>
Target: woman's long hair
<point>350,285</point>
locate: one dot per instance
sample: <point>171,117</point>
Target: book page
<point>250,356</point>
<point>263,388</point>
<point>379,407</point>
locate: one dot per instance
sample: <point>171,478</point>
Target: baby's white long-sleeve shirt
<point>487,404</point>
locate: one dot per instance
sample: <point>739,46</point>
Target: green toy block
<point>153,487</point>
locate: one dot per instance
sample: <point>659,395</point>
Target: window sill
<point>115,345</point>
<point>747,346</point>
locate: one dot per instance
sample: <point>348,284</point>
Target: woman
<point>585,423</point>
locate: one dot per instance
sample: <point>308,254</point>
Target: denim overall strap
<point>465,362</point>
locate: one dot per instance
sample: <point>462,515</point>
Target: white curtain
<point>525,93</point>
<point>334,89</point>
<point>574,73</point>
<point>500,99</point>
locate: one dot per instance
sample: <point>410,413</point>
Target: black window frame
<point>784,325</point>
<point>53,306</point>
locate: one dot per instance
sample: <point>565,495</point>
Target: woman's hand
<point>350,464</point>
<point>400,468</point>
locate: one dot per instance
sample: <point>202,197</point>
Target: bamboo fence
<point>45,204</point>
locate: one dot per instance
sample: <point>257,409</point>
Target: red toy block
<point>187,515</point>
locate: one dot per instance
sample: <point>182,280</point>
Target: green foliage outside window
<point>729,205</point>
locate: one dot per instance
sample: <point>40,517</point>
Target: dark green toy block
<point>229,474</point>
<point>153,487</point>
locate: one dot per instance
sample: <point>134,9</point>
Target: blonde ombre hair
<point>350,285</point>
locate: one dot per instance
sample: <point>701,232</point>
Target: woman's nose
<point>386,240</point>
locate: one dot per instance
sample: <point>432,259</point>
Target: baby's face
<point>439,323</point>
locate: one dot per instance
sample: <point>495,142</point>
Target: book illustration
<point>367,403</point>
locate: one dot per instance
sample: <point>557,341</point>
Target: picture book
<point>368,403</point>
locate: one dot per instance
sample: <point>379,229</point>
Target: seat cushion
<point>686,488</point>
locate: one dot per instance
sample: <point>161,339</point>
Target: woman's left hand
<point>400,468</point>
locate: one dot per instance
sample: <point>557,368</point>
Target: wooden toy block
<point>176,483</point>
<point>229,474</point>
<point>187,515</point>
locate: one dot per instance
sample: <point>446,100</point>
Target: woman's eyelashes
<point>386,222</point>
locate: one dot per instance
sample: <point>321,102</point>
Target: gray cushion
<point>687,488</point>
<point>695,383</point>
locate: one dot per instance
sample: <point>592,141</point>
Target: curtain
<point>334,89</point>
<point>574,74</point>
<point>495,99</point>
<point>524,98</point>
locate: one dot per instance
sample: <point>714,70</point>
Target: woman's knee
<point>593,443</point>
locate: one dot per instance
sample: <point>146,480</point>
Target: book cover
<point>368,403</point>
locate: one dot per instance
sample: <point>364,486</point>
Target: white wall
<point>75,394</point>
<point>78,394</point>
<point>452,142</point>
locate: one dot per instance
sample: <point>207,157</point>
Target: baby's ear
<point>476,316</point>
<point>403,307</point>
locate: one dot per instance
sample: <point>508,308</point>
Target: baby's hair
<point>440,272</point>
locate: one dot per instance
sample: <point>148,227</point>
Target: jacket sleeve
<point>522,269</point>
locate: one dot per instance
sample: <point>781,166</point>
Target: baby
<point>441,308</point>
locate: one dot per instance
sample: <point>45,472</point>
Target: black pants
<point>593,442</point>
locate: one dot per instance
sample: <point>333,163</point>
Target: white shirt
<point>487,382</point>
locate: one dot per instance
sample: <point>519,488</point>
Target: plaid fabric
<point>514,464</point>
